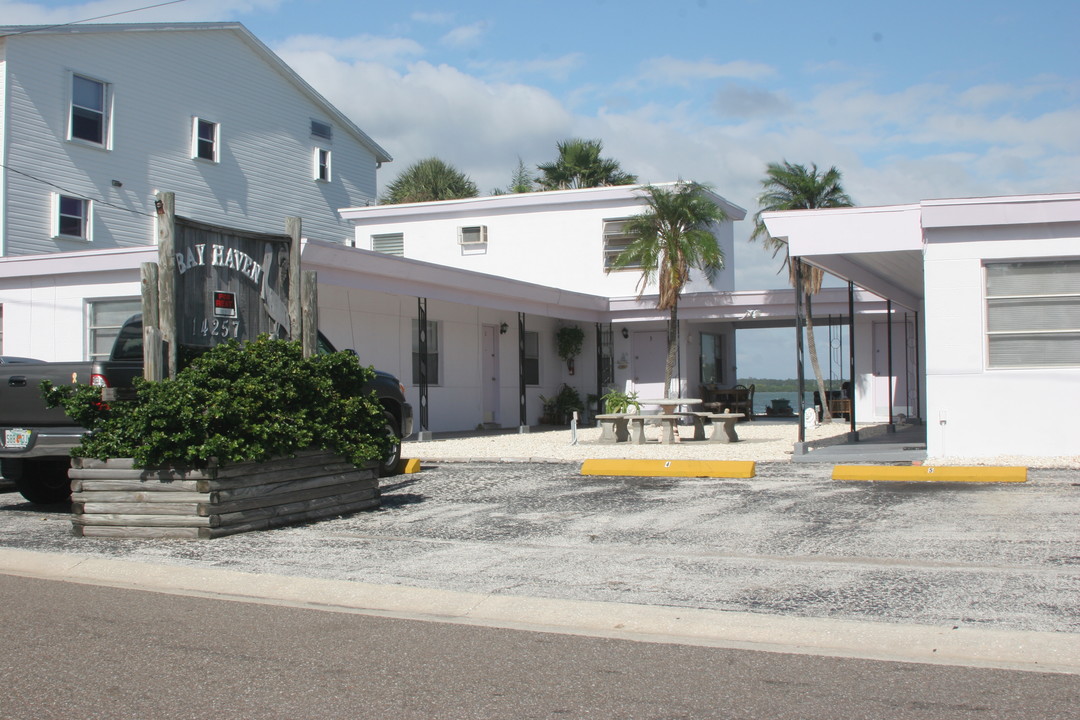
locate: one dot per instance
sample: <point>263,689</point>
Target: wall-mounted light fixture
<point>503,328</point>
<point>625,333</point>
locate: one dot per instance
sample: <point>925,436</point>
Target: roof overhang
<point>548,200</point>
<point>877,248</point>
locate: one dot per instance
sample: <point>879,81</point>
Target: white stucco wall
<point>554,238</point>
<point>974,410</point>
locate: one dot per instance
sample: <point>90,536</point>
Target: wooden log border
<point>111,498</point>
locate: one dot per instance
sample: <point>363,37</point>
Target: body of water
<point>763,400</point>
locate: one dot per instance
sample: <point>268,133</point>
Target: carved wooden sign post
<point>216,284</point>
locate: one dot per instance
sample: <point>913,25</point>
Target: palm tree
<point>794,187</point>
<point>427,180</point>
<point>579,165</point>
<point>673,235</point>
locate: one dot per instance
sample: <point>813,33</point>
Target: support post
<point>152,356</point>
<point>800,446</point>
<point>888,344</point>
<point>309,312</point>
<point>918,374</point>
<point>165,204</point>
<point>294,229</point>
<point>422,366</point>
<point>523,422</point>
<point>599,368</point>
<point>853,434</point>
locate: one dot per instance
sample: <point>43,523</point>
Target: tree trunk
<point>811,345</point>
<point>672,347</point>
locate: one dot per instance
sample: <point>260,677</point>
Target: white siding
<point>160,79</point>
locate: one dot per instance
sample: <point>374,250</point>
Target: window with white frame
<point>103,321</point>
<point>71,217</point>
<point>616,239</point>
<point>532,357</point>
<point>390,243</point>
<point>432,352</point>
<point>712,356</point>
<point>322,165</point>
<point>1033,313</point>
<point>205,139</point>
<point>89,121</point>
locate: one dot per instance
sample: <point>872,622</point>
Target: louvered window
<point>616,239</point>
<point>391,244</point>
<point>1033,313</point>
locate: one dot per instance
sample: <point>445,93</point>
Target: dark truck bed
<point>35,440</point>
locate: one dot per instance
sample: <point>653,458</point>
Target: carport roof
<point>877,248</point>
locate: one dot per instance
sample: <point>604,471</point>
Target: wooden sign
<point>229,284</point>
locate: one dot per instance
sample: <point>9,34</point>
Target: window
<point>391,244</point>
<point>104,319</point>
<point>322,165</point>
<point>204,141</point>
<point>1033,313</point>
<point>432,352</point>
<point>89,116</point>
<point>712,359</point>
<point>322,130</point>
<point>616,239</point>
<point>475,235</point>
<point>532,358</point>
<point>72,217</point>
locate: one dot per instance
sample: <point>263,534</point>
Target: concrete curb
<point>927,473</point>
<point>966,646</point>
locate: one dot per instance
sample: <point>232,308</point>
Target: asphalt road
<point>74,650</point>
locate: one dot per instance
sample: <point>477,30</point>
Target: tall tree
<point>579,165</point>
<point>674,235</point>
<point>427,180</point>
<point>788,186</point>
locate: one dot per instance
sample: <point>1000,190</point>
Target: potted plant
<point>569,340</point>
<point>234,411</point>
<point>559,409</point>
<point>617,401</point>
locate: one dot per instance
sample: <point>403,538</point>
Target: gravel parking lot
<point>789,542</point>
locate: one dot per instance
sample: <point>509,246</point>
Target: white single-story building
<point>995,283</point>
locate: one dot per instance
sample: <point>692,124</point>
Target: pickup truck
<point>35,441</point>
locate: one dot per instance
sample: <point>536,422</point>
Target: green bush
<point>238,402</point>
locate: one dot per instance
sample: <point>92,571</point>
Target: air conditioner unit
<point>474,235</point>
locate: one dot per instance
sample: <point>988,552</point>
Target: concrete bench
<point>724,427</point>
<point>668,423</point>
<point>613,427</point>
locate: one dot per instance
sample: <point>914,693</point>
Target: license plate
<point>16,438</point>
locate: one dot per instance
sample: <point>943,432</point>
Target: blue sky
<point>910,100</point>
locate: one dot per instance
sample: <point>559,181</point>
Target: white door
<point>902,369</point>
<point>490,373</point>
<point>650,355</point>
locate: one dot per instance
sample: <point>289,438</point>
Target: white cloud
<point>558,68</point>
<point>683,73</point>
<point>465,35</point>
<point>433,18</point>
<point>360,47</point>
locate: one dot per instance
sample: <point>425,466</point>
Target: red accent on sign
<point>224,301</point>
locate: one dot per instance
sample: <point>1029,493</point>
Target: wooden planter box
<point>110,498</point>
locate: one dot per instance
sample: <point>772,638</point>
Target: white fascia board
<point>1010,210</point>
<point>355,267</point>
<point>545,200</point>
<point>745,306</point>
<point>244,35</point>
<point>73,263</point>
<point>836,231</point>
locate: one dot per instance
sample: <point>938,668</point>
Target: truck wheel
<point>390,465</point>
<point>44,482</point>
